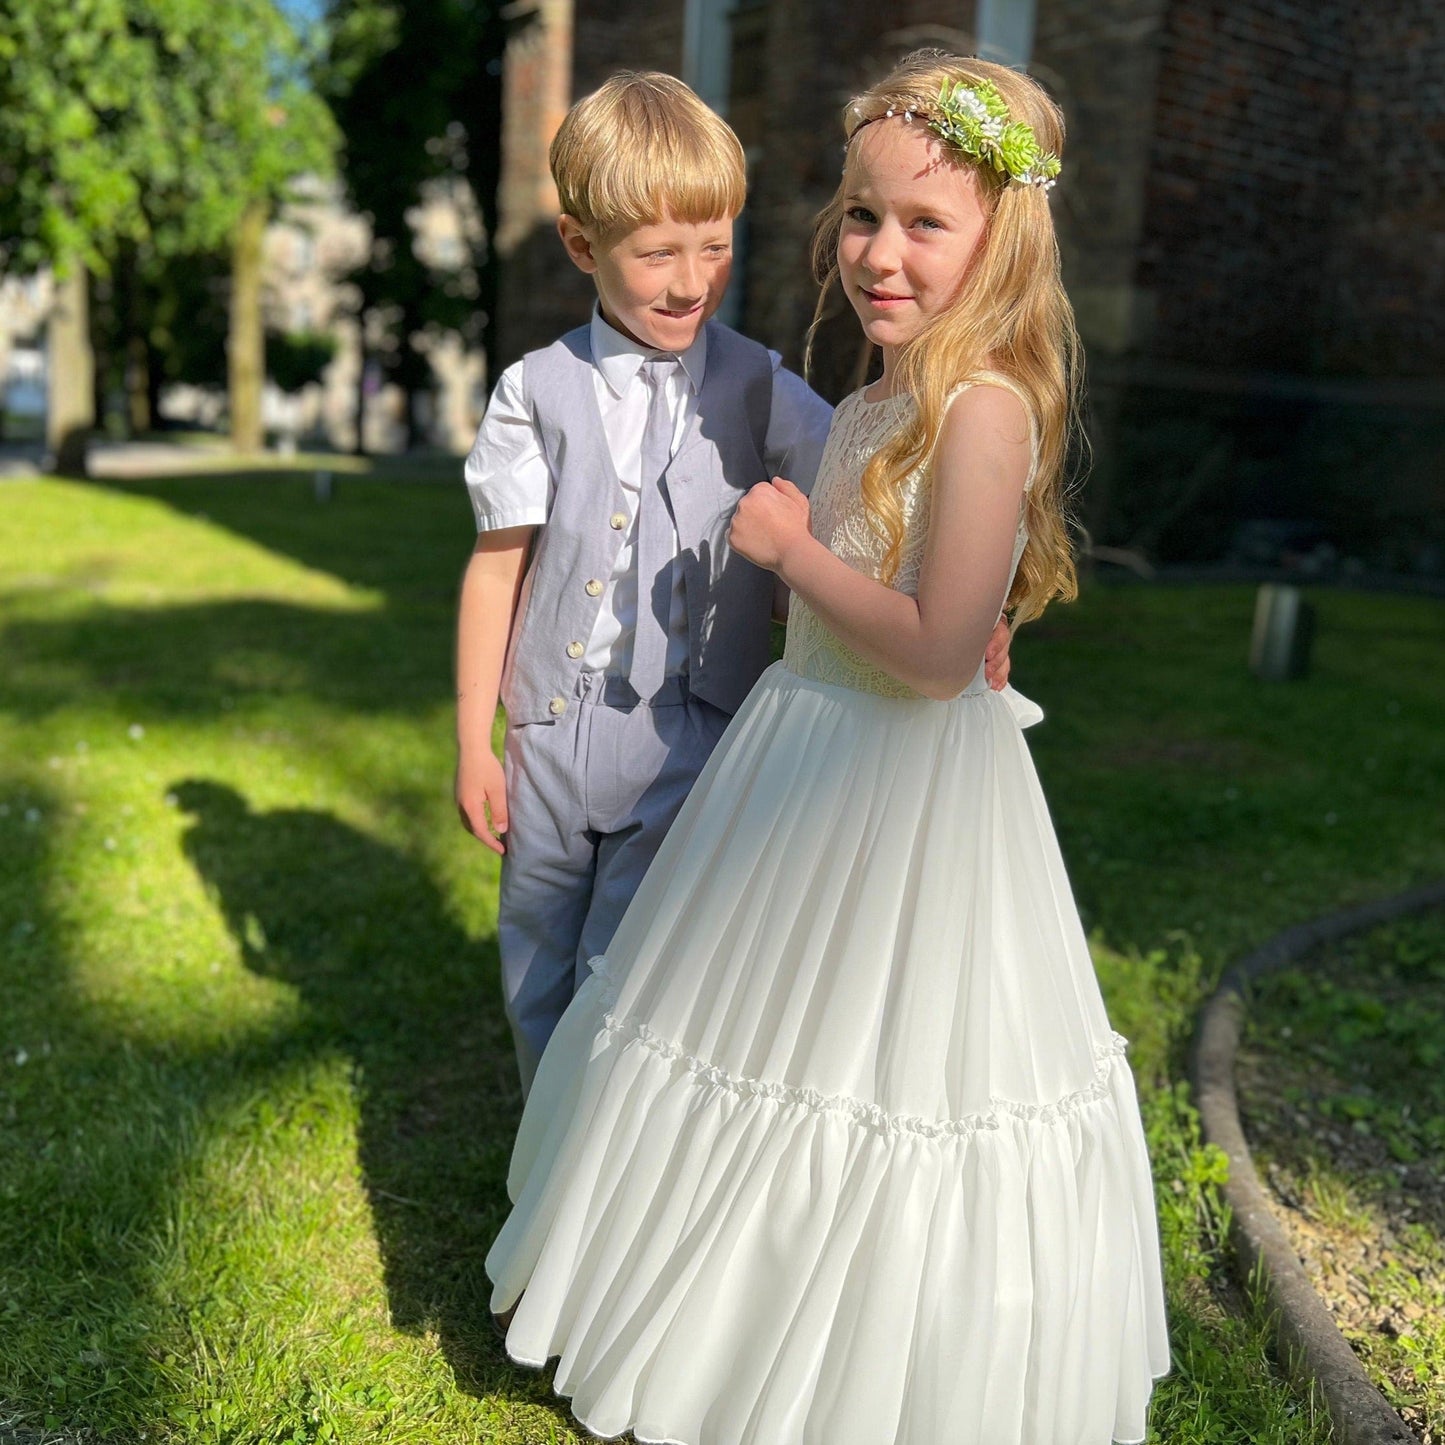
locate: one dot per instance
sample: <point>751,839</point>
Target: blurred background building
<point>1252,218</point>
<point>310,250</point>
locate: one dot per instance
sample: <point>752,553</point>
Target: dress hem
<point>628,1432</point>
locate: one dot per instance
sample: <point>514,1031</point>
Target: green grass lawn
<point>256,1091</point>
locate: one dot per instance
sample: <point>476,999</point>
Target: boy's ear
<point>576,244</point>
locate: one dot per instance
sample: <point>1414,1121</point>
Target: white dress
<point>836,1146</point>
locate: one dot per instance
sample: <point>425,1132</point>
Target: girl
<point>836,1145</point>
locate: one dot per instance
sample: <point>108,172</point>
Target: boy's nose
<point>687,282</point>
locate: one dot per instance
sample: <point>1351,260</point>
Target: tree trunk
<point>245,350</point>
<point>153,381</point>
<point>70,414</point>
<point>135,319</point>
<point>359,449</point>
<point>102,303</point>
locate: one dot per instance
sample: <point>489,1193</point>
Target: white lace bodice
<point>840,522</point>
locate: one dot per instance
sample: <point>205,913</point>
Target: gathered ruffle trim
<point>869,1116</point>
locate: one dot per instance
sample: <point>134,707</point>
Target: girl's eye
<point>927,223</point>
<point>861,214</point>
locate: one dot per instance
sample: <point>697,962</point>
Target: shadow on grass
<point>390,981</point>
<point>203,659</point>
<point>111,1126</point>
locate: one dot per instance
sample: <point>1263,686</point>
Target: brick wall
<point>1247,136</point>
<point>1251,185</point>
<point>541,294</point>
<point>1385,288</point>
<point>636,35</point>
<point>1100,59</point>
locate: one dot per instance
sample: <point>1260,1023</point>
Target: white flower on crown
<point>972,102</point>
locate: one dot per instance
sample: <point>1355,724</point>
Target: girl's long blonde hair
<point>1011,317</point>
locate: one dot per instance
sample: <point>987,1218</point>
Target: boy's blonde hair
<point>1010,316</point>
<point>642,149</point>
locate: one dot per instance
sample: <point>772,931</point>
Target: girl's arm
<point>934,642</point>
<point>490,588</point>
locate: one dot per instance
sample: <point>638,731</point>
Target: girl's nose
<point>881,255</point>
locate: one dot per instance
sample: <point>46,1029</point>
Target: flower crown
<point>973,118</point>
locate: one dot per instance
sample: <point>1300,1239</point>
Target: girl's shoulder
<point>987,377</point>
<point>997,403</point>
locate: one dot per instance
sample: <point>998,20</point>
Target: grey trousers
<point>590,797</point>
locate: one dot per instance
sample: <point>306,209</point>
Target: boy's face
<point>658,283</point>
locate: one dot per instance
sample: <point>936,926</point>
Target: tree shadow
<point>405,537</point>
<point>391,980</point>
<point>203,659</point>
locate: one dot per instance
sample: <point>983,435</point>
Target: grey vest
<point>729,600</point>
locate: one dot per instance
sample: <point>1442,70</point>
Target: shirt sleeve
<point>797,428</point>
<point>507,476</point>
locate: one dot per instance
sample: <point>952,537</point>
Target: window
<point>1005,30</point>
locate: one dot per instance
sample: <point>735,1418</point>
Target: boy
<point>602,602</point>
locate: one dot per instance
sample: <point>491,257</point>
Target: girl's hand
<point>770,520</point>
<point>481,790</point>
<point>996,661</point>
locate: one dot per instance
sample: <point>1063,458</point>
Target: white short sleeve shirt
<point>510,484</point>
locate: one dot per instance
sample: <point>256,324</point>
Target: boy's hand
<point>996,661</point>
<point>481,787</point>
<point>770,519</point>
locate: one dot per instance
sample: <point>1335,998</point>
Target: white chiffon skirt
<point>836,1146</point>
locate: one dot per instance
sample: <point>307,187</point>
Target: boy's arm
<point>797,429</point>
<point>491,586</point>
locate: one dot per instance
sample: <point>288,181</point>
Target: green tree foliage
<point>76,138</point>
<point>155,130</point>
<point>296,359</point>
<point>416,88</point>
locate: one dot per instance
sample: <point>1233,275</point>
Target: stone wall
<point>1385,291</point>
<point>1247,154</point>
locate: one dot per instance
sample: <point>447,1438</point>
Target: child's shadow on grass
<point>389,978</point>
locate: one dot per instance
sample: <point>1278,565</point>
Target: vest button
<point>593,588</point>
<point>617,521</point>
<point>557,706</point>
<point>575,649</point>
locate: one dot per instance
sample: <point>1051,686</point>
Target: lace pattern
<point>840,522</point>
<point>857,1111</point>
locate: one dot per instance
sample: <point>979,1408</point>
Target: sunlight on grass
<point>256,1090</point>
<point>127,550</point>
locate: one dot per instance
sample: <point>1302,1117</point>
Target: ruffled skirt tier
<point>836,1147</point>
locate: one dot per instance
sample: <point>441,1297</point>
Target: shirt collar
<point>618,357</point>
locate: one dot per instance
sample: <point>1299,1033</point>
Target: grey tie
<point>655,538</point>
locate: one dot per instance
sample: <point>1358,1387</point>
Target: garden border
<point>1308,1337</point>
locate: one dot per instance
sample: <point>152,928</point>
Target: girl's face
<point>912,222</point>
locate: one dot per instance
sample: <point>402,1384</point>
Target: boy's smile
<point>658,283</point>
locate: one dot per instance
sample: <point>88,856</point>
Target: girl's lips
<point>878,298</point>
